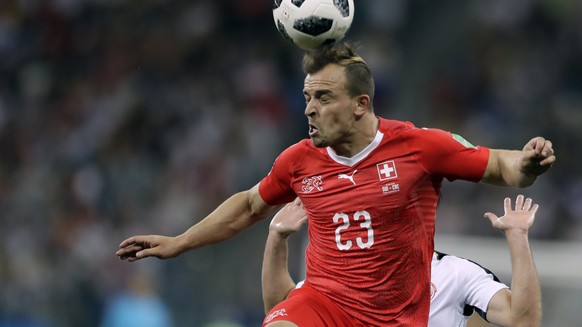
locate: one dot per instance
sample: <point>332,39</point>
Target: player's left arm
<point>519,168</point>
<point>522,305</point>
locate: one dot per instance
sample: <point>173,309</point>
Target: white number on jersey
<point>345,223</point>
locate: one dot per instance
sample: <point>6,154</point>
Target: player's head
<point>338,91</point>
<point>359,79</point>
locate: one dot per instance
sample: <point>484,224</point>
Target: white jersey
<point>458,288</point>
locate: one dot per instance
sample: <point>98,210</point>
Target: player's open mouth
<point>312,131</point>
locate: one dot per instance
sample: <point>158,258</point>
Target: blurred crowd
<point>120,117</point>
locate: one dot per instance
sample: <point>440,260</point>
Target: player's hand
<point>538,156</point>
<point>289,219</point>
<point>519,219</point>
<point>143,246</point>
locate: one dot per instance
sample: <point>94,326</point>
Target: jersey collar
<point>350,162</point>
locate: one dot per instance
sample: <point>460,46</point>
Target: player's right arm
<point>234,215</point>
<point>522,305</point>
<point>276,280</point>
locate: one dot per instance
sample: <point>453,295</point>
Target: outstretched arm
<point>276,281</point>
<point>232,217</point>
<point>522,305</point>
<point>519,168</point>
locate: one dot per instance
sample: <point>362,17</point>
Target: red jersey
<point>372,216</point>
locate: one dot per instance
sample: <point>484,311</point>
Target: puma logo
<point>349,177</point>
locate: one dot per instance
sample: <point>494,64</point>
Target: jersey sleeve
<point>276,188</point>
<point>478,285</point>
<point>448,155</point>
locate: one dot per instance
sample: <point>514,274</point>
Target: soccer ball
<point>310,24</point>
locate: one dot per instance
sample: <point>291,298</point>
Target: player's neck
<point>363,134</point>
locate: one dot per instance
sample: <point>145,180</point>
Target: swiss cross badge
<point>387,170</point>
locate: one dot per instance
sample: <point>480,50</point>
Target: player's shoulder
<point>297,151</point>
<point>459,264</point>
<point>390,126</point>
<point>405,129</point>
<point>302,146</point>
<point>445,257</point>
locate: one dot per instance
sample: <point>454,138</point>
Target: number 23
<point>345,223</point>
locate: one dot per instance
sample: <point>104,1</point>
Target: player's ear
<point>363,104</point>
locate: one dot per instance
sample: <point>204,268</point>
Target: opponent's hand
<point>519,219</point>
<point>289,219</point>
<point>538,156</point>
<point>143,246</point>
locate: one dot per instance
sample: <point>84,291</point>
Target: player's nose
<point>310,108</point>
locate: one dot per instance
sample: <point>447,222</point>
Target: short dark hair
<point>358,75</point>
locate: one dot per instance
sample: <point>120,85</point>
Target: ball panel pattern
<point>283,31</point>
<point>343,6</point>
<point>313,25</point>
<point>310,24</point>
<point>297,3</point>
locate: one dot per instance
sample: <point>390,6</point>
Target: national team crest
<point>275,314</point>
<point>387,170</point>
<point>312,183</point>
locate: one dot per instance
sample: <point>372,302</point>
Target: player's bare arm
<point>519,168</point>
<point>276,281</point>
<point>236,214</point>
<point>522,305</point>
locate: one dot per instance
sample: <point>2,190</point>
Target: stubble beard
<point>318,142</point>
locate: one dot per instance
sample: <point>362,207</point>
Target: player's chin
<point>318,142</point>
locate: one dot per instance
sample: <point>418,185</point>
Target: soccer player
<point>459,286</point>
<point>370,187</point>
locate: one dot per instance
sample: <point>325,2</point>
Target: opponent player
<point>459,286</point>
<point>370,188</point>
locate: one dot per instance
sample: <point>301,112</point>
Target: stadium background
<point>120,117</point>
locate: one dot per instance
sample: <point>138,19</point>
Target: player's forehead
<point>331,77</point>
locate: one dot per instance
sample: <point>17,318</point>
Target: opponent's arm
<point>232,217</point>
<point>519,168</point>
<point>522,305</point>
<point>276,280</point>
